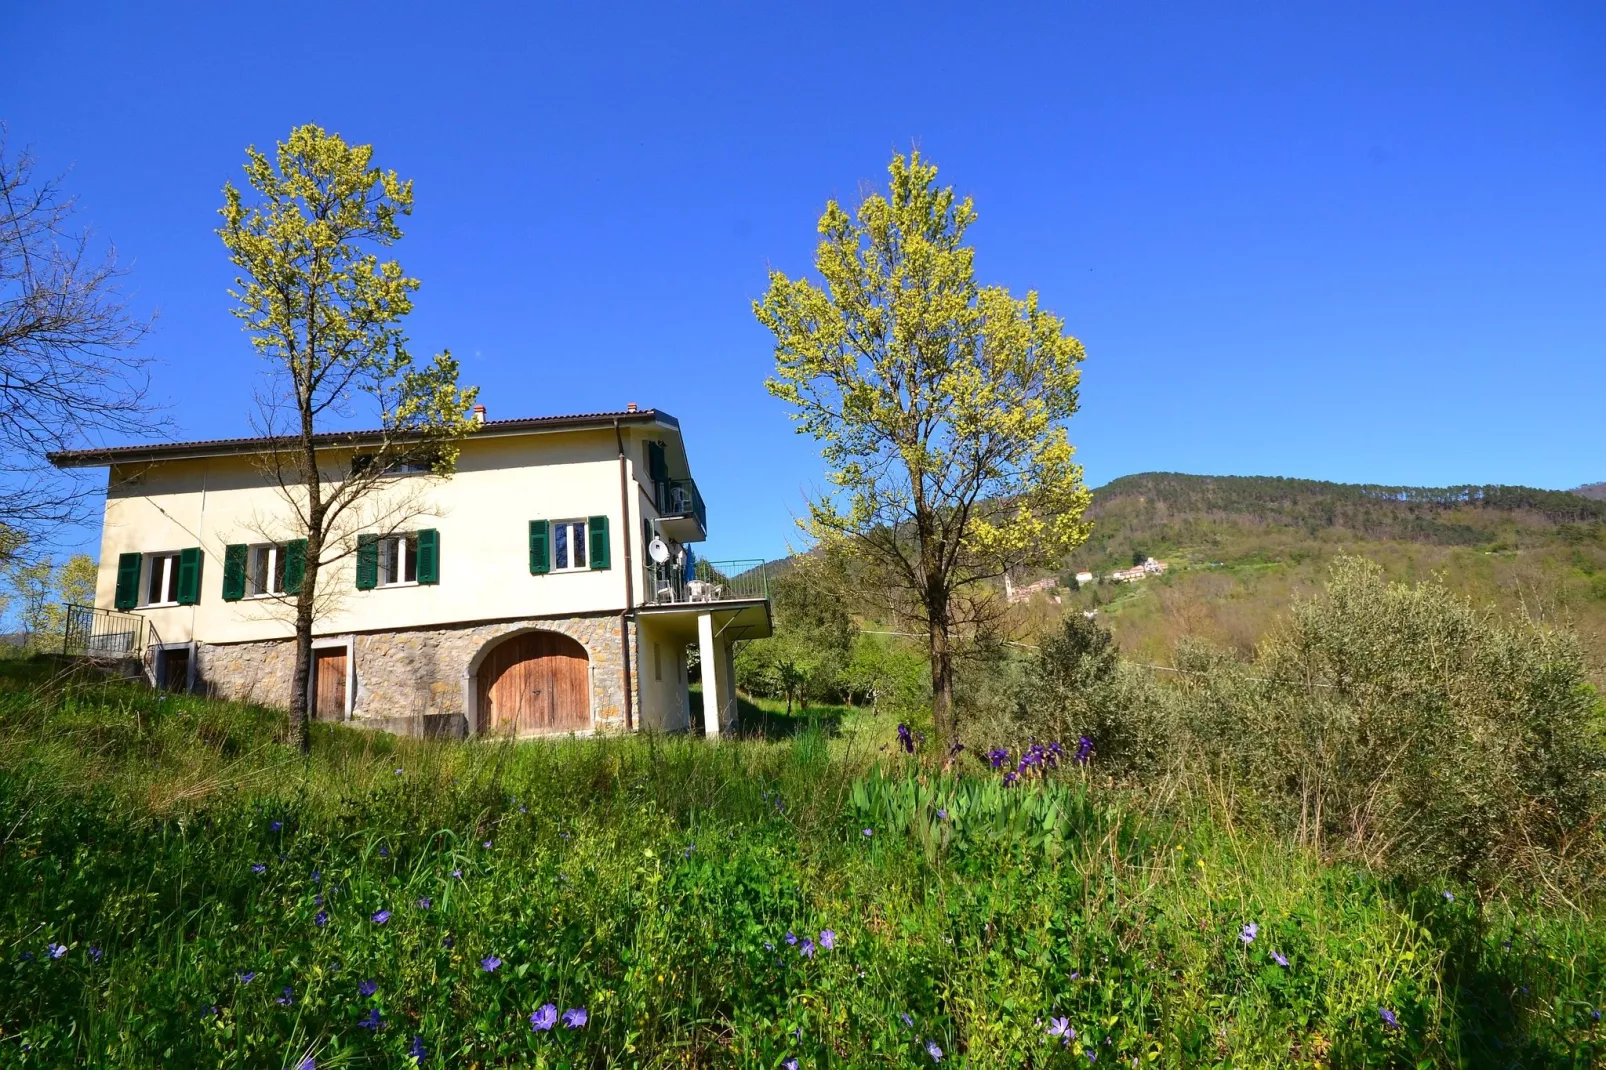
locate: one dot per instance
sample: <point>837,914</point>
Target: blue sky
<point>1360,242</point>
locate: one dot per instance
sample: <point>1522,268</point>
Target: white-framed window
<point>398,560</point>
<point>264,573</point>
<point>568,545</point>
<point>161,580</point>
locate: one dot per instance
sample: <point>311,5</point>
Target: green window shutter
<point>234,572</point>
<point>128,566</point>
<point>598,526</point>
<point>189,576</point>
<point>295,565</point>
<point>367,562</point>
<point>540,552</point>
<point>429,556</point>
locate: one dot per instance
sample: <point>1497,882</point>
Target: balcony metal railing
<point>102,634</point>
<point>680,497</point>
<point>709,581</point>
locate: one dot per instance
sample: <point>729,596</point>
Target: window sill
<point>265,596</point>
<point>393,586</point>
<point>160,605</point>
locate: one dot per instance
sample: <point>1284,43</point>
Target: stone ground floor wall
<point>418,681</point>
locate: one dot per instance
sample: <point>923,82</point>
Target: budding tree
<point>325,312</point>
<point>940,405</point>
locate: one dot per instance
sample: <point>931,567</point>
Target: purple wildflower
<point>367,988</point>
<point>908,1021</point>
<point>416,1049</point>
<point>447,942</point>
<point>1061,1027</point>
<point>276,826</point>
<point>942,815</point>
<point>286,996</point>
<point>1248,933</point>
<point>788,1064</point>
<point>1084,751</point>
<point>247,977</point>
<point>380,917</point>
<point>258,867</point>
<point>828,939</point>
<point>56,950</point>
<point>791,937</point>
<point>868,833</point>
<point>575,1017</point>
<point>1277,957</point>
<point>309,1063</point>
<point>1011,776</point>
<point>906,739</point>
<point>1388,1018</point>
<point>423,903</point>
<point>768,946</point>
<point>94,954</point>
<point>398,772</point>
<point>321,918</point>
<point>807,950</point>
<point>1092,1056</point>
<point>372,1020</point>
<point>934,1051</point>
<point>457,874</point>
<point>998,756</point>
<point>543,1018</point>
<point>317,875</point>
<point>490,963</point>
<point>1449,896</point>
<point>486,844</point>
<point>317,900</point>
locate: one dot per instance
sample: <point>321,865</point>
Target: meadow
<point>177,888</point>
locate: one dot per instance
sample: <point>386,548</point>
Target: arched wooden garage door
<point>535,683</point>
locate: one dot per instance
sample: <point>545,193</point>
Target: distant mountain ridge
<point>1597,491</point>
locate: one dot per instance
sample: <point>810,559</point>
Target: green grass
<point>654,882</point>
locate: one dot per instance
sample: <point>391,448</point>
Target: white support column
<point>716,684</point>
<point>727,709</point>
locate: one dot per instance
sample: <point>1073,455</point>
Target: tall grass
<point>668,887</point>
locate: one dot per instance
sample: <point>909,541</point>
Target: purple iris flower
<point>247,977</point>
<point>1011,776</point>
<point>1248,933</point>
<point>321,918</point>
<point>934,1051</point>
<point>416,1049</point>
<point>828,939</point>
<point>490,963</point>
<point>380,917</point>
<point>1388,1018</point>
<point>906,739</point>
<point>367,988</point>
<point>575,1017</point>
<point>544,1018</point>
<point>998,756</point>
<point>1277,957</point>
<point>1084,751</point>
<point>258,867</point>
<point>56,950</point>
<point>807,950</point>
<point>372,1020</point>
<point>286,997</point>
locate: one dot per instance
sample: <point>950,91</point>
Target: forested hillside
<point>1240,547</point>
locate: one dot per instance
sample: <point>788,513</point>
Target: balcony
<point>735,594</point>
<point>681,513</point>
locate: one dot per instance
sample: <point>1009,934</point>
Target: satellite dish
<point>658,550</point>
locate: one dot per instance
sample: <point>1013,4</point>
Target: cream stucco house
<point>548,586</point>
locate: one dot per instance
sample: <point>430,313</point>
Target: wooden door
<point>176,669</point>
<point>329,684</point>
<point>535,684</point>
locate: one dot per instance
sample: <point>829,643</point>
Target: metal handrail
<point>708,581</point>
<point>102,634</point>
<point>680,497</point>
